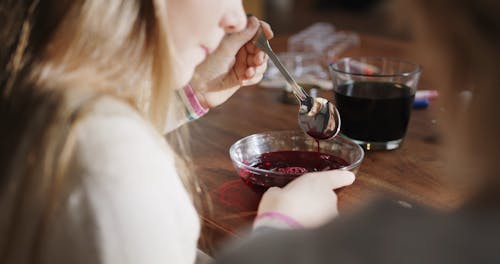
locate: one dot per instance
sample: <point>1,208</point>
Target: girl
<point>88,87</point>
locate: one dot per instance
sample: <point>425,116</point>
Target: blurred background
<point>363,16</point>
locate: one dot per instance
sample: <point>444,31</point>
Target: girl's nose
<point>235,19</point>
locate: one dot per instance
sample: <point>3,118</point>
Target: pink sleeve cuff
<point>277,216</point>
<point>194,109</point>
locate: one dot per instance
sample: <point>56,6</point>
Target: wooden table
<point>411,172</point>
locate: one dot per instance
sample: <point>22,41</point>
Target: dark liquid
<point>374,111</point>
<point>290,163</point>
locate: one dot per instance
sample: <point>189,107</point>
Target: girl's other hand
<point>309,199</point>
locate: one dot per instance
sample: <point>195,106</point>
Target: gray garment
<point>383,233</point>
<point>203,258</point>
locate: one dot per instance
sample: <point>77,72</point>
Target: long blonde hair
<point>118,48</point>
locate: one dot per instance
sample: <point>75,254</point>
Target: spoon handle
<point>262,43</point>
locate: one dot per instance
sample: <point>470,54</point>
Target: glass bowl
<point>247,152</point>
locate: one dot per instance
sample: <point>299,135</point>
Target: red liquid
<point>374,111</point>
<point>285,166</point>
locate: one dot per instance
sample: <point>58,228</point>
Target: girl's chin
<point>184,71</point>
<point>184,76</point>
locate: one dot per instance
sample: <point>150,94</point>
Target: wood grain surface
<point>411,173</point>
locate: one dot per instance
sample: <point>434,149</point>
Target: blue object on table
<point>420,104</point>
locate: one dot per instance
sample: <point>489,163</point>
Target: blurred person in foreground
<point>459,42</point>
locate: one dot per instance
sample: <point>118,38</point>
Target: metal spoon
<point>326,122</point>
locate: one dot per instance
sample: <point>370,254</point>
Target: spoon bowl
<point>318,117</point>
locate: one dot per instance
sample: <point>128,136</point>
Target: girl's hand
<point>236,62</point>
<point>309,199</point>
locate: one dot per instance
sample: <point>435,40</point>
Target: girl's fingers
<point>257,59</point>
<point>251,48</point>
<point>266,28</point>
<point>255,79</point>
<point>241,65</point>
<point>261,68</point>
<point>250,73</point>
<point>326,180</point>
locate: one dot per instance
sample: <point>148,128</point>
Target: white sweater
<point>141,210</point>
